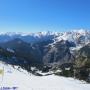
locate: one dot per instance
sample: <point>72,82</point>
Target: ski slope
<point>22,80</point>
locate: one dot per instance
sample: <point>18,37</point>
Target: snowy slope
<point>25,81</point>
<point>75,36</point>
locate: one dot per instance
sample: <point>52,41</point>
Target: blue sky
<point>44,15</point>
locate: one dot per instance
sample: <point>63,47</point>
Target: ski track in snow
<point>25,81</point>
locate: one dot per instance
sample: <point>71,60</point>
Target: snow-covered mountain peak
<point>45,33</point>
<point>80,31</point>
<point>73,36</point>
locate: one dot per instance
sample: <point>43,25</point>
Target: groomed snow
<point>25,81</point>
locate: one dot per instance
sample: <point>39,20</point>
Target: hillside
<point>20,79</point>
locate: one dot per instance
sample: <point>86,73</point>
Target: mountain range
<point>48,51</point>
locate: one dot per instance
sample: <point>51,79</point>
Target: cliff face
<point>83,57</point>
<point>58,53</point>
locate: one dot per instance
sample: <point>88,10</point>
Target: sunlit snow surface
<point>25,81</point>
